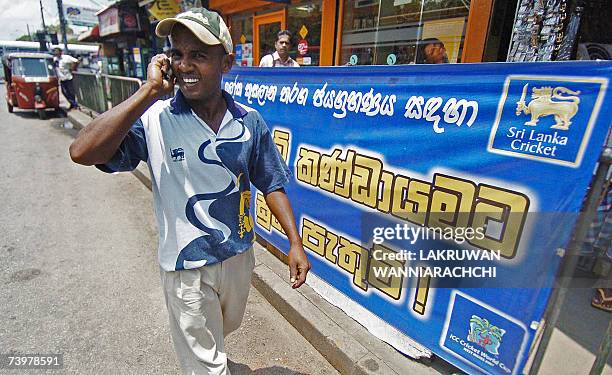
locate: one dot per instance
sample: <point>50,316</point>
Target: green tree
<point>55,29</point>
<point>24,38</point>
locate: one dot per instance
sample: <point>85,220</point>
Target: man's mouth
<point>190,80</point>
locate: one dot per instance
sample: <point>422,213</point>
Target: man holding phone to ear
<point>203,151</point>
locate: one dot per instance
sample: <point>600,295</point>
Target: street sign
<point>162,9</point>
<point>303,31</point>
<point>79,15</point>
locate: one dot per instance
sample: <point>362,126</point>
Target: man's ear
<point>228,61</point>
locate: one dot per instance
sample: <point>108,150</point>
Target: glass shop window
<point>241,29</point>
<point>387,32</point>
<point>304,21</point>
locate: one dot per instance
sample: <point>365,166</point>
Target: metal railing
<point>99,93</point>
<point>120,88</point>
<point>89,91</point>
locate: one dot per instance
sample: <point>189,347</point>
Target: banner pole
<point>603,353</point>
<point>571,258</point>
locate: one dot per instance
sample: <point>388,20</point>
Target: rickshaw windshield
<point>33,67</point>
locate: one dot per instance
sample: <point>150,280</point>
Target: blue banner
<point>432,200</point>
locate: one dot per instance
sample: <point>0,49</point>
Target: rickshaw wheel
<point>42,114</point>
<point>10,107</point>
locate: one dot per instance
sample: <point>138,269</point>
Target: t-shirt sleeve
<point>131,151</point>
<point>268,170</point>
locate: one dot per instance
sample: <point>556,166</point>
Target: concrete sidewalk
<point>346,344</point>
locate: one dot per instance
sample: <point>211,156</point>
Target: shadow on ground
<point>242,369</point>
<point>579,320</point>
<point>31,114</point>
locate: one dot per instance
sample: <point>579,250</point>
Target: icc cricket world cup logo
<point>542,104</point>
<point>485,334</point>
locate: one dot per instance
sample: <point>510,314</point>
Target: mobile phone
<point>168,74</point>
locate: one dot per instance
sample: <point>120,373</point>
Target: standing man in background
<point>64,66</point>
<point>281,56</point>
<point>203,150</point>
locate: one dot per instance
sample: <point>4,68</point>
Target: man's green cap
<point>206,25</point>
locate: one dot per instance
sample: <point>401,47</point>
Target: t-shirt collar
<point>178,105</point>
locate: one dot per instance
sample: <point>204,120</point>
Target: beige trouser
<point>204,305</point>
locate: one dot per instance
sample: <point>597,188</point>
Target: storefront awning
<point>232,6</point>
<point>91,35</point>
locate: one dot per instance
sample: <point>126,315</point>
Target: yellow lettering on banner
<point>353,259</point>
<point>307,166</point>
<point>451,202</point>
<point>385,192</point>
<point>410,199</point>
<point>445,202</point>
<point>391,281</point>
<point>509,208</point>
<point>418,195</point>
<point>330,245</point>
<point>420,297</point>
<point>400,192</point>
<point>263,213</point>
<point>313,237</point>
<point>335,173</point>
<point>364,182</point>
<point>282,139</point>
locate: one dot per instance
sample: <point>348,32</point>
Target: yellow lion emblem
<point>542,104</point>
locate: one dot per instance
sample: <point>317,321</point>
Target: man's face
<point>435,53</point>
<point>198,67</point>
<point>282,45</point>
<point>57,52</point>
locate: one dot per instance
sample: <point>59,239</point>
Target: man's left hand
<point>298,265</point>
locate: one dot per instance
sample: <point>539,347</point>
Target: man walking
<point>281,57</point>
<point>203,151</point>
<point>64,66</point>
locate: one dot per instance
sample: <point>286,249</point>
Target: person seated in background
<point>281,56</point>
<point>431,51</point>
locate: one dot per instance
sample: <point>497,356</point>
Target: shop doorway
<point>265,28</point>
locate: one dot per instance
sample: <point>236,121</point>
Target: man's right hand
<point>98,141</point>
<point>156,75</point>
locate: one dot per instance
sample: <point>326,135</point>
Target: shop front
<point>254,25</point>
<point>366,32</point>
<point>126,42</point>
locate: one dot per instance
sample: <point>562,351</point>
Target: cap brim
<point>164,28</point>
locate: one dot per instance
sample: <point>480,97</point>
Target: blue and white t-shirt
<point>201,180</point>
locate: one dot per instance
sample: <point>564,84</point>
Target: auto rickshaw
<point>31,82</point>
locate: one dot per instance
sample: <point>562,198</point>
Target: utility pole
<point>42,16</point>
<point>60,12</point>
<point>29,35</point>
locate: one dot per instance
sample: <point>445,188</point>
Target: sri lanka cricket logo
<point>542,104</point>
<point>485,334</point>
<point>547,118</point>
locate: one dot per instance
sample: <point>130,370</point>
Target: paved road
<point>79,274</point>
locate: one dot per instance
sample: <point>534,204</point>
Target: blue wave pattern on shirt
<point>217,244</point>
